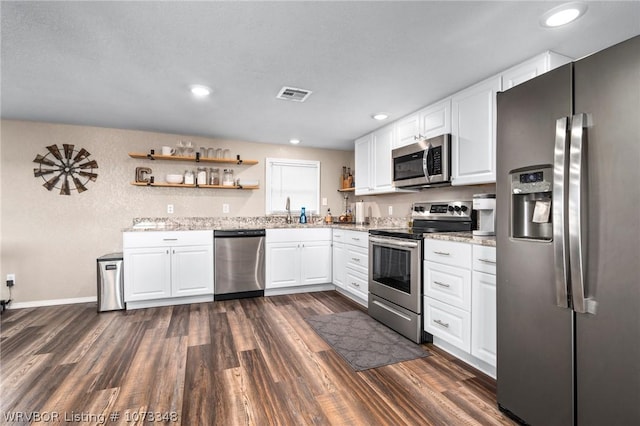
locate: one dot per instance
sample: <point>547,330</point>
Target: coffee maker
<point>484,206</point>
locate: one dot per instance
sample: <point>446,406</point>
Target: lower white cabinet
<point>351,264</point>
<point>460,300</point>
<point>297,257</point>
<point>166,265</point>
<point>483,319</point>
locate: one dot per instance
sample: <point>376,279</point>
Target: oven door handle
<point>384,241</point>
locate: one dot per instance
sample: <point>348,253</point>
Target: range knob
<point>464,208</point>
<point>450,208</point>
<point>457,208</point>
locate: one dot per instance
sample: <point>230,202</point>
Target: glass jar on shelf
<point>227,179</point>
<point>188,177</point>
<point>201,177</point>
<point>214,176</point>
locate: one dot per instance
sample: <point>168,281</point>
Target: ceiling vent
<point>293,94</point>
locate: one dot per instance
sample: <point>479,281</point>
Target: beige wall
<point>51,241</point>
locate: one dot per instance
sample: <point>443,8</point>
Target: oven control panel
<point>442,210</point>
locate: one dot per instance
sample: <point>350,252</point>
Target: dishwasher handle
<point>239,233</point>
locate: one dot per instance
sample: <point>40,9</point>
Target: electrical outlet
<point>169,208</point>
<point>324,201</point>
<point>225,208</point>
<point>11,280</point>
<point>390,210</point>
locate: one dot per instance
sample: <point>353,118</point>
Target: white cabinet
<point>167,265</point>
<point>483,319</point>
<point>374,166</point>
<point>363,155</point>
<point>297,257</point>
<point>447,290</point>
<point>428,122</point>
<point>147,273</point>
<point>473,133</point>
<point>460,300</point>
<point>532,68</point>
<point>351,264</point>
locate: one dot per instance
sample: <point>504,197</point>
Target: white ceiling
<point>129,64</point>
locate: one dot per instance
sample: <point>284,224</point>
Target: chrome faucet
<point>288,208</point>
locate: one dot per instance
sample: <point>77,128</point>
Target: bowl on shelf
<point>173,178</point>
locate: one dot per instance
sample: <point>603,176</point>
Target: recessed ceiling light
<point>199,91</point>
<point>563,14</point>
<point>380,116</point>
<point>294,141</point>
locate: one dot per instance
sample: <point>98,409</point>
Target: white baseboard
<point>488,369</point>
<point>298,289</point>
<point>52,302</point>
<point>169,302</point>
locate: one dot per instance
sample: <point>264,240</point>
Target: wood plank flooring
<point>238,362</point>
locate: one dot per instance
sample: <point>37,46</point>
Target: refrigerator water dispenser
<point>531,193</point>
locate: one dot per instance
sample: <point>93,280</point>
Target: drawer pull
<point>355,284</point>
<point>355,238</point>
<point>493,262</point>
<point>442,253</point>
<point>445,325</point>
<point>442,284</point>
<point>169,239</point>
<point>355,259</point>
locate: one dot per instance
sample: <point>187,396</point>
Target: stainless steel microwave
<point>423,164</point>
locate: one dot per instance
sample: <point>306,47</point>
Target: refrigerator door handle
<point>578,204</point>
<point>558,207</point>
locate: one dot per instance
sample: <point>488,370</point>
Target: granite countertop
<point>463,237</point>
<point>279,222</point>
<point>260,222</point>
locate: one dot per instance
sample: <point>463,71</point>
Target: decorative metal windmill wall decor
<point>56,169</point>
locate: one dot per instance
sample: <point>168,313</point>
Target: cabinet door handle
<point>441,284</point>
<point>493,262</point>
<point>445,325</point>
<point>169,239</point>
<point>167,251</point>
<point>442,253</point>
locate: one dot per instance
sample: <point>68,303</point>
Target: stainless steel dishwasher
<point>239,263</point>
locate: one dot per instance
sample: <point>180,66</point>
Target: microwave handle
<point>425,163</point>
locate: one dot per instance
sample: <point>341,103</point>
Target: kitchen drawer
<point>448,323</point>
<point>298,235</point>
<point>447,252</point>
<point>357,238</point>
<point>448,284</point>
<point>358,283</point>
<point>484,259</point>
<point>166,239</point>
<point>357,258</point>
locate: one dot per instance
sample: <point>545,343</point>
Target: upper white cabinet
<point>363,164</point>
<point>469,116</point>
<point>473,133</point>
<point>374,173</point>
<point>532,68</point>
<point>431,121</point>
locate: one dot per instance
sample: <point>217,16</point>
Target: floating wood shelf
<point>182,185</point>
<point>193,159</point>
<point>347,190</point>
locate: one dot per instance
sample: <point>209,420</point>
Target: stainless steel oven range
<point>395,264</point>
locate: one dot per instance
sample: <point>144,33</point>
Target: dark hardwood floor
<point>249,361</point>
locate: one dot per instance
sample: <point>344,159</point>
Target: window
<point>297,179</point>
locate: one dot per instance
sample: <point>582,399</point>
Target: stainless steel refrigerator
<point>568,243</point>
